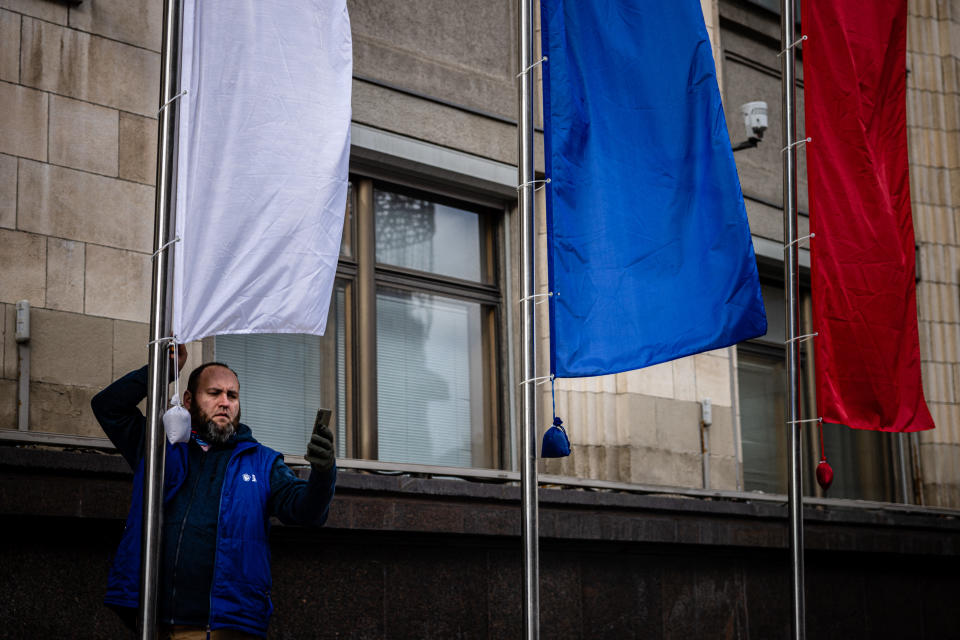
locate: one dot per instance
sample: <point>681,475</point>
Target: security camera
<point>755,121</point>
<point>754,118</point>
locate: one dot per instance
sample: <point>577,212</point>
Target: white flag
<point>262,165</point>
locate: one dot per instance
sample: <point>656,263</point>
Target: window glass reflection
<point>429,373</point>
<point>427,236</point>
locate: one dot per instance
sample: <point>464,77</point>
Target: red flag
<point>864,294</point>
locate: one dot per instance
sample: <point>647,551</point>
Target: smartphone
<point>323,420</point>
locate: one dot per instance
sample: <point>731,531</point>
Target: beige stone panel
<point>951,114</point>
<point>90,68</point>
<point>653,381</point>
<point>23,266</point>
<point>9,350</point>
<point>636,420</point>
<point>138,148</point>
<point>665,468</point>
<point>924,8</point>
<point>23,121</point>
<point>936,381</point>
<point>954,193</point>
<point>937,224</point>
<point>8,191</point>
<point>137,22</point>
<point>70,348</point>
<point>3,339</point>
<point>130,348</point>
<point>923,34</point>
<point>454,128</point>
<point>721,432</point>
<point>83,135</point>
<point>65,269</point>
<point>930,186</point>
<point>928,300</point>
<point>607,409</point>
<point>925,72</point>
<point>572,384</point>
<point>10,51</point>
<point>951,74</point>
<point>8,404</point>
<point>685,379</point>
<point>605,384</point>
<point>951,150</point>
<point>925,109</point>
<point>713,379</point>
<point>117,284</point>
<point>593,416</point>
<point>577,415</point>
<point>723,473</point>
<point>926,350</point>
<point>49,10</point>
<point>678,426</point>
<point>941,418</point>
<point>64,409</point>
<point>81,206</point>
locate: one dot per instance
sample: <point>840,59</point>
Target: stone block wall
<point>79,89</point>
<point>933,126</point>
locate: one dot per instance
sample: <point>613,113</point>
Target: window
<point>410,361</point>
<point>862,460</point>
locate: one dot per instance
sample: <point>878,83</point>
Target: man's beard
<point>209,431</point>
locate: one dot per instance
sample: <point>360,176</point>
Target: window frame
<point>366,276</point>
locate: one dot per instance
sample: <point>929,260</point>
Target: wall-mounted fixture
<point>755,122</point>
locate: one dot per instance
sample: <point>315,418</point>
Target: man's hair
<point>195,375</point>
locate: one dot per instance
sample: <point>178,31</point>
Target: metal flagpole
<point>791,282</point>
<point>160,324</point>
<point>528,471</point>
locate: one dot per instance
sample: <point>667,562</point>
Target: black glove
<point>320,451</point>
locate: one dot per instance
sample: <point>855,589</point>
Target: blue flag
<point>650,256</point>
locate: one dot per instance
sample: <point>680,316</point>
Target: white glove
<point>176,423</point>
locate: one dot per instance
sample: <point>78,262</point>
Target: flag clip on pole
<point>160,323</point>
<point>528,470</point>
<point>788,60</point>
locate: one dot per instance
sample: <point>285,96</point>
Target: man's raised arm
<point>116,410</point>
<point>301,502</point>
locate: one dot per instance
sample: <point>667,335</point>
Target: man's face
<point>216,402</point>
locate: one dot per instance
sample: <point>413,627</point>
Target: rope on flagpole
<point>802,421</point>
<point>806,336</point>
<point>799,240</point>
<point>796,144</point>
<point>168,102</point>
<point>164,247</point>
<point>539,380</point>
<point>802,38</point>
<point>549,294</point>
<point>527,70</point>
<point>542,184</point>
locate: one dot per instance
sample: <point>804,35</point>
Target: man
<point>220,490</point>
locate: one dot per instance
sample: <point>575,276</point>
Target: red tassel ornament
<point>824,474</point>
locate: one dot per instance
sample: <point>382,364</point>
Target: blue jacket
<point>240,596</point>
<point>254,484</point>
